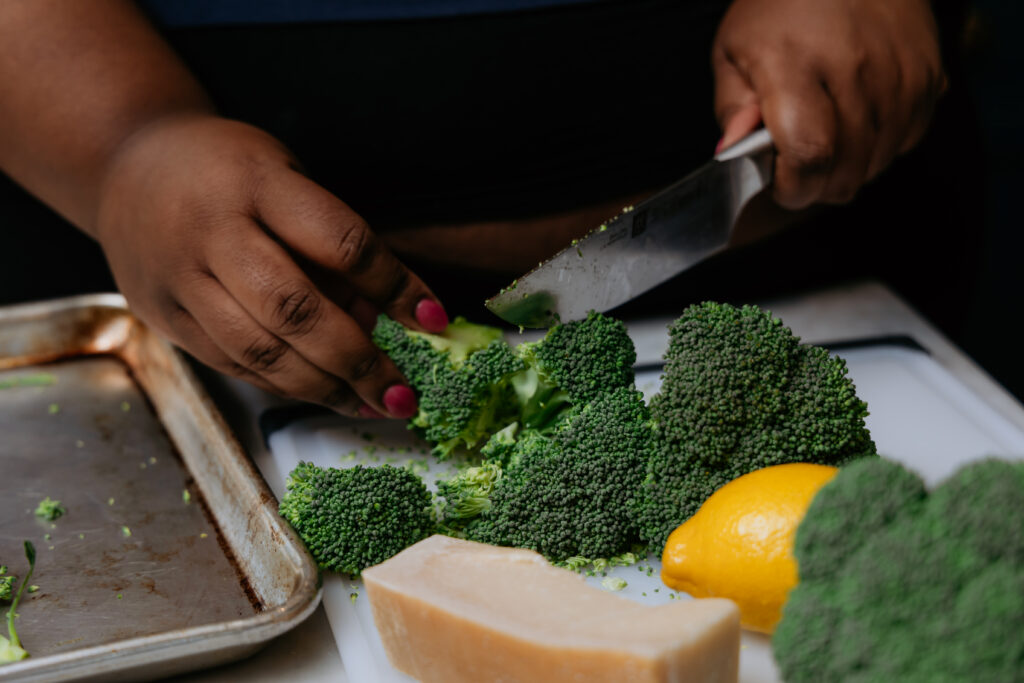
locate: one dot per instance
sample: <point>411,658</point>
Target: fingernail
<point>400,401</point>
<point>430,314</point>
<point>720,145</point>
<point>367,411</point>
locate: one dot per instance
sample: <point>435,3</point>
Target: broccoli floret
<point>468,493</point>
<point>740,392</point>
<point>569,493</point>
<point>899,585</point>
<point>10,647</point>
<point>462,378</point>
<point>49,509</point>
<point>353,518</point>
<point>574,363</point>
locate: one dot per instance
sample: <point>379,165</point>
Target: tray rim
<point>205,645</point>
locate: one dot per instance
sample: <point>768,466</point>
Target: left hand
<point>844,86</point>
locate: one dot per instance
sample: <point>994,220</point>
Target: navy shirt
<point>181,13</point>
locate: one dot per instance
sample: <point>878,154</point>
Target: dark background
<point>941,227</point>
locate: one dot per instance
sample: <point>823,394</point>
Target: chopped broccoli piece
<point>740,392</point>
<point>7,582</point>
<point>10,647</point>
<point>467,494</point>
<point>899,585</point>
<point>50,509</point>
<point>613,583</point>
<point>462,378</point>
<point>570,493</point>
<point>351,519</point>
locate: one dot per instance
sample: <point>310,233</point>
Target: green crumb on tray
<point>613,583</point>
<point>120,596</point>
<point>54,408</point>
<point>126,406</point>
<point>110,501</point>
<point>186,496</point>
<point>33,588</point>
<point>126,532</point>
<point>353,597</point>
<point>203,535</point>
<point>49,509</point>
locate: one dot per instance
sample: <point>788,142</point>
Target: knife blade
<point>644,245</point>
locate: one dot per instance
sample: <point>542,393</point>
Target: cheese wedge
<point>450,610</point>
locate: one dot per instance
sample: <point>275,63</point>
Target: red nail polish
<point>367,411</point>
<point>430,314</point>
<point>400,401</point>
<point>720,145</point>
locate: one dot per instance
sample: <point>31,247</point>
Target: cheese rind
<point>450,610</point>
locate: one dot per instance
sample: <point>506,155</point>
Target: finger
<point>801,115</point>
<point>886,87</point>
<point>925,84</point>
<point>252,347</point>
<point>323,229</point>
<point>190,336</point>
<point>858,129</point>
<point>736,105</point>
<point>262,277</point>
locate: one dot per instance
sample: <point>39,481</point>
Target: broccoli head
<point>353,518</point>
<point>569,493</point>
<point>740,392</point>
<point>462,378</point>
<point>899,585</point>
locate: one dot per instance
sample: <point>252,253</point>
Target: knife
<point>644,245</point>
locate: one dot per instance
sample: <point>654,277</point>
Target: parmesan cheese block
<point>450,610</point>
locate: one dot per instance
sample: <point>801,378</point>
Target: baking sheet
<point>170,556</point>
<point>921,415</point>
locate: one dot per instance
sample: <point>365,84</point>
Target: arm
<point>213,235</point>
<point>844,86</point>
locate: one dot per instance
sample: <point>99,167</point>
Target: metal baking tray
<point>171,556</point>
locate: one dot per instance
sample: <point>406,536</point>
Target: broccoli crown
<point>353,518</point>
<point>739,392</point>
<point>462,378</point>
<point>569,493</point>
<point>585,358</point>
<point>899,585</point>
<point>465,405</point>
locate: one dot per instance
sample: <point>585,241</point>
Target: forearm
<point>78,78</point>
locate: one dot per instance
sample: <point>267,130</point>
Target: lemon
<point>739,544</point>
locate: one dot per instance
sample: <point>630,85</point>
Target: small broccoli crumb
<point>54,408</point>
<point>613,583</point>
<point>353,597</point>
<point>110,501</point>
<point>126,532</point>
<point>50,509</point>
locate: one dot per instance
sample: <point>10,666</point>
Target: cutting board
<point>920,414</point>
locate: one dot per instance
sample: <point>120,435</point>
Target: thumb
<point>736,104</point>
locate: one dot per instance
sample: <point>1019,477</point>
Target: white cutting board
<point>920,415</point>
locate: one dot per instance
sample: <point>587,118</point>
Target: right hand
<point>219,243</point>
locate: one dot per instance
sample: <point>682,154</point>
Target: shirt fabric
<point>179,13</point>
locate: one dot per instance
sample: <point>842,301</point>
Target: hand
<point>844,86</point>
<point>218,242</point>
